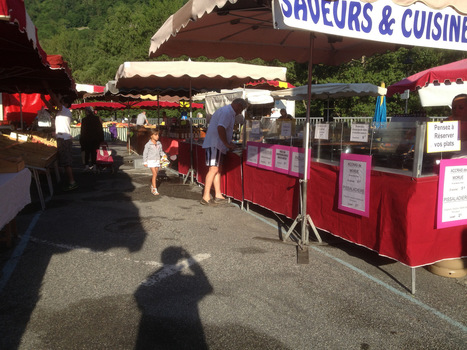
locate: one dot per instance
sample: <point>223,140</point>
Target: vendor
<point>141,119</point>
<point>285,124</point>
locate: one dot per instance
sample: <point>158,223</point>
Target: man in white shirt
<point>141,119</point>
<point>216,143</point>
<point>63,120</point>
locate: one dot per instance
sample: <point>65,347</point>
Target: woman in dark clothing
<point>92,134</point>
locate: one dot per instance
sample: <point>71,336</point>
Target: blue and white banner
<point>380,20</point>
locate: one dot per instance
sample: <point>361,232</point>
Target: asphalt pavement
<point>111,266</point>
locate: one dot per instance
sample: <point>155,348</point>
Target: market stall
<point>37,157</point>
<point>306,39</point>
<point>25,68</point>
<point>156,77</point>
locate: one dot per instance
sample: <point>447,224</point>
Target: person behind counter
<point>284,115</point>
<point>217,142</point>
<point>141,119</point>
<point>285,124</point>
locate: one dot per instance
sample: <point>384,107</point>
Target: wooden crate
<point>11,164</point>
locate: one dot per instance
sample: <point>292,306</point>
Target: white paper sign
<point>265,156</point>
<point>252,155</point>
<point>359,132</point>
<point>282,160</point>
<point>455,194</point>
<point>22,137</point>
<point>322,131</point>
<point>353,184</point>
<point>298,162</point>
<point>443,137</point>
<point>286,129</point>
<point>255,127</point>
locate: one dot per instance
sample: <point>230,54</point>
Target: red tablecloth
<point>183,158</point>
<point>402,217</point>
<point>275,191</point>
<point>170,145</point>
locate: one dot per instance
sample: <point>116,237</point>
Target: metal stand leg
<point>190,174</point>
<point>191,171</point>
<point>413,280</point>
<point>39,188</point>
<point>57,172</point>
<point>305,219</point>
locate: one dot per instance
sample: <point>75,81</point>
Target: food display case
<point>396,147</point>
<point>272,131</point>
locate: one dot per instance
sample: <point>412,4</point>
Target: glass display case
<point>398,146</point>
<point>273,131</point>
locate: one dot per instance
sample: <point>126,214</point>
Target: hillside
<point>96,36</point>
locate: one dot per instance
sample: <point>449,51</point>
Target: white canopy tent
<point>434,95</point>
<point>328,91</point>
<point>153,76</point>
<point>334,90</point>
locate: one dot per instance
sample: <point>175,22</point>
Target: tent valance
<point>153,77</point>
<point>331,90</point>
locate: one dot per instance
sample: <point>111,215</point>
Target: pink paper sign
<point>266,156</point>
<point>282,159</point>
<point>452,193</point>
<point>252,153</point>
<point>354,184</point>
<point>297,162</point>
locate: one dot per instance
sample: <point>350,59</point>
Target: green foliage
<point>96,36</point>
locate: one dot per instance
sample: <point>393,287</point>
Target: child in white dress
<point>152,156</point>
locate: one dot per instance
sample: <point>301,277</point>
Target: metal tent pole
<point>191,171</point>
<point>303,217</point>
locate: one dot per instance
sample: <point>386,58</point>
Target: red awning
<point>24,66</point>
<point>451,72</point>
<point>18,37</point>
<point>131,105</point>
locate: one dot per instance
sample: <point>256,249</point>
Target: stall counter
<point>402,217</point>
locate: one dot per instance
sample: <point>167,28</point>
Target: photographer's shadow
<point>168,300</point>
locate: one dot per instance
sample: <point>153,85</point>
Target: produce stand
<point>37,157</point>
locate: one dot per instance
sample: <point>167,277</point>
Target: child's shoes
<point>154,191</point>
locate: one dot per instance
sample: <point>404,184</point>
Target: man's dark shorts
<point>64,148</point>
<point>214,157</point>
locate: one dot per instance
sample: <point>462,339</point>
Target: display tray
<point>34,154</point>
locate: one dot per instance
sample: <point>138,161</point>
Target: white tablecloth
<point>14,194</point>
